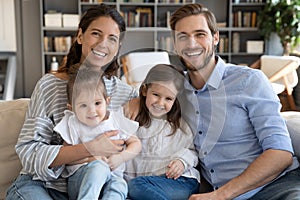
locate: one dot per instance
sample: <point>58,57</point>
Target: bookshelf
<point>242,31</point>
<point>147,26</point>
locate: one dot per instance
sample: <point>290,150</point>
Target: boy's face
<point>90,107</point>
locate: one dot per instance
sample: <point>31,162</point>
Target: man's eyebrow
<point>195,31</point>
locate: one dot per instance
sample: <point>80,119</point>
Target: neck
<point>198,78</point>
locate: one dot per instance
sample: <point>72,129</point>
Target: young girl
<point>86,119</point>
<point>165,167</point>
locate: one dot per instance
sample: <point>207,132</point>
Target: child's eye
<point>169,99</point>
<point>98,103</point>
<point>82,105</point>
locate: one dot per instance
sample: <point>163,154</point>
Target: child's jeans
<point>95,177</point>
<point>162,188</point>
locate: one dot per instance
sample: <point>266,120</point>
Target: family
<point>216,120</point>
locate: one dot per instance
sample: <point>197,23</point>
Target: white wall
<point>7,26</point>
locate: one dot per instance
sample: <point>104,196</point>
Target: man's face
<point>194,42</point>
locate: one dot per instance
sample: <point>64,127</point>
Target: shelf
<point>158,35</point>
<point>248,4</point>
<point>63,29</point>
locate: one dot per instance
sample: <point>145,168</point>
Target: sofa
<point>12,115</point>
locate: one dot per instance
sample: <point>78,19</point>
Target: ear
<point>108,100</point>
<point>79,36</point>
<point>216,38</point>
<point>144,90</point>
<point>69,106</point>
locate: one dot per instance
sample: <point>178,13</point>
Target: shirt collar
<point>215,78</point>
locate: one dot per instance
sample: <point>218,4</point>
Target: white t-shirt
<point>75,132</point>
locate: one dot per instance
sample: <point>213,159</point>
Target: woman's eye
<point>113,39</point>
<point>98,103</point>
<point>96,34</point>
<point>82,105</point>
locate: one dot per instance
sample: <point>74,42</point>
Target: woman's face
<point>100,42</point>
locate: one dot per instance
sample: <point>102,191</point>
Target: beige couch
<point>12,115</point>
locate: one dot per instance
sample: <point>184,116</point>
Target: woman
<point>43,158</point>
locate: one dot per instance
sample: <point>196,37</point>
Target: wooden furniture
<point>281,71</point>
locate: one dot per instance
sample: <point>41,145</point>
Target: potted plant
<point>283,18</point>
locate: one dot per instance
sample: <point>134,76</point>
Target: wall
<point>28,45</point>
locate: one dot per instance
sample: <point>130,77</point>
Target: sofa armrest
<point>12,114</point>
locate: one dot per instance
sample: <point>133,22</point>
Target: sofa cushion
<point>12,115</point>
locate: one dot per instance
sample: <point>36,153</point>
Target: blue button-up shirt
<point>235,117</point>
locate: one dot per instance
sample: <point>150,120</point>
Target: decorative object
<point>283,18</point>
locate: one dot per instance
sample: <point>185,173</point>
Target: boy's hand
<point>176,168</point>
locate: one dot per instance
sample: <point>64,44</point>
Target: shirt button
<point>196,92</point>
<point>212,171</point>
<point>205,153</point>
<point>216,188</point>
<point>197,112</point>
<point>200,132</point>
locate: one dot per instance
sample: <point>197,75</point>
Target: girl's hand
<point>114,161</point>
<point>176,168</point>
<point>104,146</point>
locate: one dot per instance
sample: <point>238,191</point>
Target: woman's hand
<point>104,146</point>
<point>131,108</point>
<point>176,168</point>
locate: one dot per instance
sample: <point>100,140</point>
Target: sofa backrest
<point>12,114</point>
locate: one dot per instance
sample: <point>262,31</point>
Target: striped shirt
<point>37,144</point>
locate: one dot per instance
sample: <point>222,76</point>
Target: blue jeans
<point>286,187</point>
<point>95,177</point>
<point>26,188</point>
<point>162,188</point>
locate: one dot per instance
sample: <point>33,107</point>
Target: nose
<point>191,41</point>
<point>160,102</point>
<point>91,109</point>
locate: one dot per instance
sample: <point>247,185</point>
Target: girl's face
<point>100,42</point>
<point>90,107</point>
<point>160,98</point>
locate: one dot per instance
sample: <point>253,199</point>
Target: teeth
<point>194,53</point>
<point>158,108</point>
<point>98,53</point>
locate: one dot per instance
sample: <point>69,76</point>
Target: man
<point>244,147</point>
